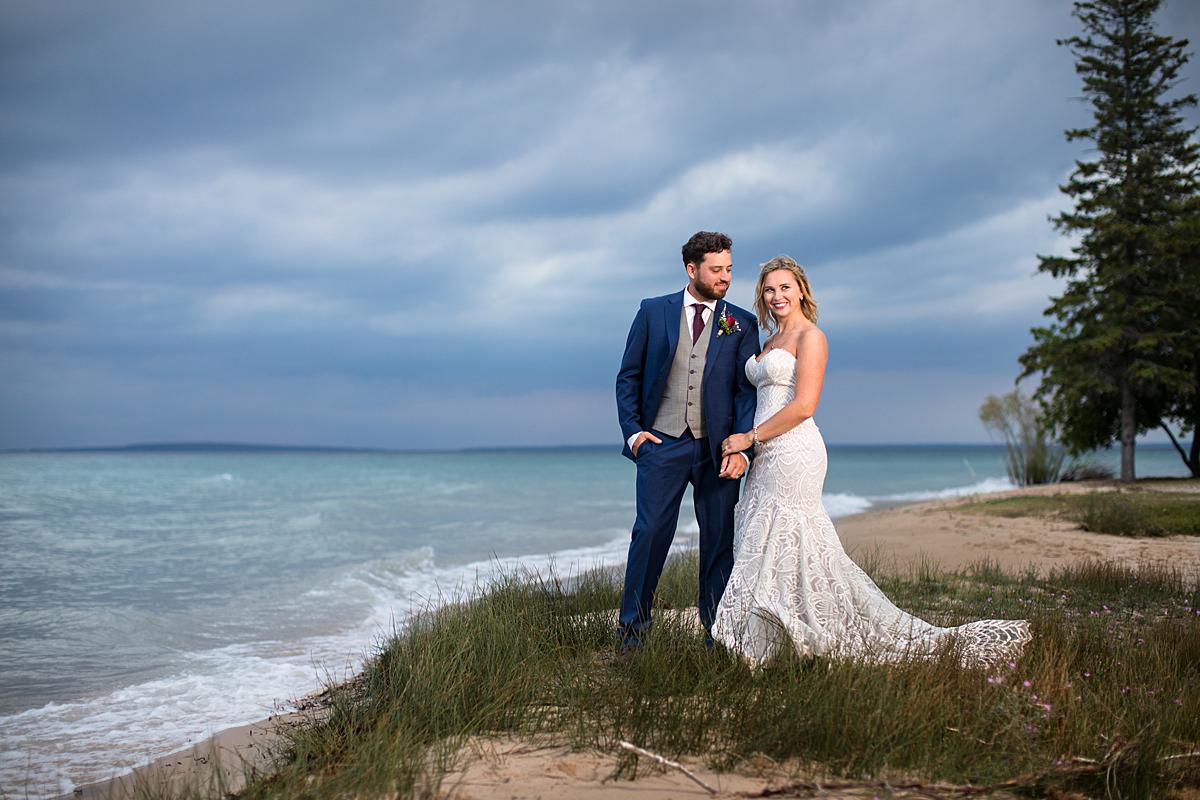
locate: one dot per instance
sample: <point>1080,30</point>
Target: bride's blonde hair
<point>808,306</point>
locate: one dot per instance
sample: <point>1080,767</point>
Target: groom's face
<point>710,278</point>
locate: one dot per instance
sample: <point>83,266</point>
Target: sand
<point>513,768</point>
<point>940,531</point>
<point>953,538</point>
<point>238,751</point>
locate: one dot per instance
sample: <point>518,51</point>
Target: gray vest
<point>682,406</point>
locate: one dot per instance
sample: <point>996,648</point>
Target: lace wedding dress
<point>792,582</point>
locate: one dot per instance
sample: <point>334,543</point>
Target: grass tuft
<point>1124,513</point>
<point>1116,513</point>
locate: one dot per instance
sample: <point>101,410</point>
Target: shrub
<point>1115,512</point>
<point>1086,471</point>
<point>1032,455</point>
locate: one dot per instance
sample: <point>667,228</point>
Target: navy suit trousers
<point>663,473</point>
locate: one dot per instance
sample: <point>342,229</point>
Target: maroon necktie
<point>697,322</point>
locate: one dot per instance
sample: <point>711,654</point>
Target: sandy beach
<point>953,538</point>
<point>943,531</point>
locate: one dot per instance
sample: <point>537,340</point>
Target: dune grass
<point>1105,701</point>
<point>1123,513</point>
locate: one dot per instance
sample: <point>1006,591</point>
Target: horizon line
<point>225,446</point>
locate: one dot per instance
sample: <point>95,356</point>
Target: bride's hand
<point>736,443</point>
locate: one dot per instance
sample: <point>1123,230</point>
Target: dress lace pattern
<point>792,581</point>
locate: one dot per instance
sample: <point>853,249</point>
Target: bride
<point>792,583</point>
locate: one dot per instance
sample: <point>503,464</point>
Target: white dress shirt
<point>707,308</point>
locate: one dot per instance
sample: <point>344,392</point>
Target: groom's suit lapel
<point>671,311</point>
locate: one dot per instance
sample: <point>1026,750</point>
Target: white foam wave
<point>421,585</point>
<point>843,505</point>
<point>53,748</point>
<point>986,485</point>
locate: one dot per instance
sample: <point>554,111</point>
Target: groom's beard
<point>711,291</point>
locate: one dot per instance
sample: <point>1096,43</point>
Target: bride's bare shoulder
<point>810,338</point>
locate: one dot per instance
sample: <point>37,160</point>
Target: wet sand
<point>217,766</point>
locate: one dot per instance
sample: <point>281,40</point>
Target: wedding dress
<point>792,582</point>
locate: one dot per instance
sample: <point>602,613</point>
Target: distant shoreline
<point>251,447</point>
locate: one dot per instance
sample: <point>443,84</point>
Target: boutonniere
<point>727,324</point>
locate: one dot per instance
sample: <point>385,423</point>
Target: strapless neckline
<point>760,359</point>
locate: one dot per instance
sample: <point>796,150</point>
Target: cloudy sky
<point>413,224</point>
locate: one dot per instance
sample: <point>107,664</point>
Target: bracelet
<point>756,434</point>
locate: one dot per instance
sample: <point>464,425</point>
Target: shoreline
<point>901,533</point>
<point>234,749</point>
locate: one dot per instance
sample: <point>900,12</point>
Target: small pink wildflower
<point>1026,684</point>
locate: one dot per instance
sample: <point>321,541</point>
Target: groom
<point>681,390</point>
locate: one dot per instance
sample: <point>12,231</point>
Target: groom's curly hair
<point>702,243</point>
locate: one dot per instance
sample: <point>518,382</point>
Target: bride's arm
<point>811,353</point>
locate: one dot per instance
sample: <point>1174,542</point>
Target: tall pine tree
<point>1183,403</point>
<point>1110,362</point>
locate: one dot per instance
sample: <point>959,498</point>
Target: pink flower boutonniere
<point>727,324</point>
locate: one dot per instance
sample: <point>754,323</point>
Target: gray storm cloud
<point>429,225</point>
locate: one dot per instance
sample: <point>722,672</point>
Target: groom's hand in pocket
<point>641,437</point>
<point>733,466</point>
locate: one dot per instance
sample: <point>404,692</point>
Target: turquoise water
<point>150,599</point>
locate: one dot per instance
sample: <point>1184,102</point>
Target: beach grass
<point>1136,512</point>
<point>1105,701</point>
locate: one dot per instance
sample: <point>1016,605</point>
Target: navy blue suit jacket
<point>729,397</point>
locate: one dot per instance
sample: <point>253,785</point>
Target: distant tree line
<point>1121,354</point>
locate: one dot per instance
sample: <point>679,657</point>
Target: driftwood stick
<point>633,748</point>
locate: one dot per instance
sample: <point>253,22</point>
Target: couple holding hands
<point>700,402</point>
